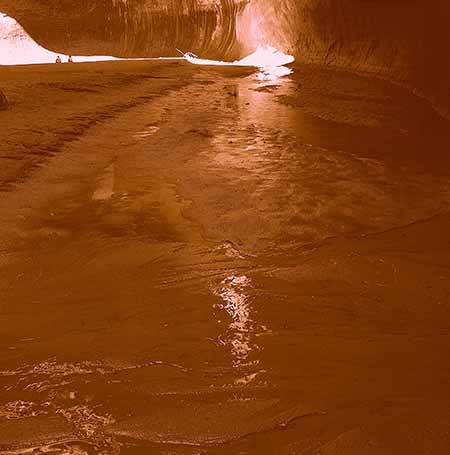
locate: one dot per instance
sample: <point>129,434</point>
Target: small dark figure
<point>70,59</point>
<point>58,59</point>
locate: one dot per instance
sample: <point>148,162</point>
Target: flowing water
<point>201,273</point>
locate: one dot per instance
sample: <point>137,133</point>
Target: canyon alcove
<point>224,227</point>
<point>402,41</point>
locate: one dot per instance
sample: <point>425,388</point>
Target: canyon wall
<point>405,41</point>
<point>138,28</point>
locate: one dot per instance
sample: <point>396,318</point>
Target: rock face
<point>130,27</point>
<point>401,40</point>
<point>3,101</point>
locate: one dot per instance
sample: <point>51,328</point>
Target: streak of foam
<point>86,420</point>
<point>236,302</point>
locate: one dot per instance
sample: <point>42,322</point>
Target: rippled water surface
<point>210,284</point>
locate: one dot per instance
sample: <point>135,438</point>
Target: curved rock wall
<point>401,40</point>
<point>405,41</point>
<point>135,28</point>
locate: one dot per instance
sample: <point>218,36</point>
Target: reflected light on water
<point>273,73</point>
<point>265,57</point>
<point>269,60</point>
<point>236,302</point>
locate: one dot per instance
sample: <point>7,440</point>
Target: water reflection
<point>273,73</point>
<point>105,185</point>
<point>254,134</point>
<point>233,291</point>
<point>263,57</point>
<point>269,60</point>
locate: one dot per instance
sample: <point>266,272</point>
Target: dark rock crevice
<point>3,101</point>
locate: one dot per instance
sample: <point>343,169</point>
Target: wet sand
<point>192,261</point>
